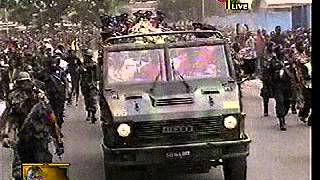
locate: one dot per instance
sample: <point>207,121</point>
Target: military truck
<point>173,106</point>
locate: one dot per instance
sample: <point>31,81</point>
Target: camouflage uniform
<point>55,82</point>
<point>29,124</point>
<point>73,70</point>
<point>88,82</point>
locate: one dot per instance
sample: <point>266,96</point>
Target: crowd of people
<point>282,61</point>
<point>37,79</point>
<point>39,75</point>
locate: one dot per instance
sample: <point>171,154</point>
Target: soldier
<point>73,69</point>
<point>4,79</point>
<point>282,88</point>
<point>88,82</point>
<point>55,83</point>
<point>15,65</point>
<point>30,65</point>
<point>267,81</point>
<point>28,123</point>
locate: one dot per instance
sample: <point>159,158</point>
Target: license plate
<point>176,155</point>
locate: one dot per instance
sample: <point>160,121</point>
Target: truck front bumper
<point>195,152</point>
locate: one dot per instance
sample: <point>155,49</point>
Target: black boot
<point>93,118</point>
<point>266,112</point>
<point>309,121</point>
<point>302,119</point>
<point>265,106</point>
<point>89,116</point>
<point>293,108</point>
<point>282,124</point>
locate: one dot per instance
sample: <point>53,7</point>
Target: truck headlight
<point>124,130</point>
<point>230,122</point>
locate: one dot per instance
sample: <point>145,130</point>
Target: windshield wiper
<point>175,72</point>
<point>155,82</point>
<point>157,77</point>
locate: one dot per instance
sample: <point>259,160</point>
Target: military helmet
<point>23,76</point>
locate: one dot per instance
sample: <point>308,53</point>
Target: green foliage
<point>7,4</point>
<point>88,12</point>
<point>190,9</point>
<point>22,12</point>
<point>51,11</point>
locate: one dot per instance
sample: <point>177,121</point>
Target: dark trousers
<point>58,109</point>
<point>89,94</point>
<point>282,97</point>
<point>249,66</point>
<point>33,151</point>
<point>293,97</point>
<point>4,88</point>
<point>75,88</point>
<point>265,105</point>
<point>305,110</point>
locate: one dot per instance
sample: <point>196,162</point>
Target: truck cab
<point>173,106</point>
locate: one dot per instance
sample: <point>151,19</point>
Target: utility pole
<point>202,6</point>
<point>6,21</point>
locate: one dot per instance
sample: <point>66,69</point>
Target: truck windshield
<point>199,62</point>
<point>135,66</point>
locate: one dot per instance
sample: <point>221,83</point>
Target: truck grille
<point>171,101</point>
<point>202,129</point>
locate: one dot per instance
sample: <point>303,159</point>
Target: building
<point>287,13</point>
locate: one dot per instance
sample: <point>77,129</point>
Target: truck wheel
<point>235,168</point>
<point>111,173</point>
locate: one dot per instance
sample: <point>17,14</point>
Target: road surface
<point>274,154</point>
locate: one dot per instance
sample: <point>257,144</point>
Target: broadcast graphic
<point>235,4</point>
<point>45,171</point>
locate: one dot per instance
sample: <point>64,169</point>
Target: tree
<point>49,12</point>
<point>88,12</point>
<point>190,9</point>
<point>7,4</point>
<point>22,12</point>
<point>43,12</point>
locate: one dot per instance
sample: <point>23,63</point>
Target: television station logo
<point>235,5</point>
